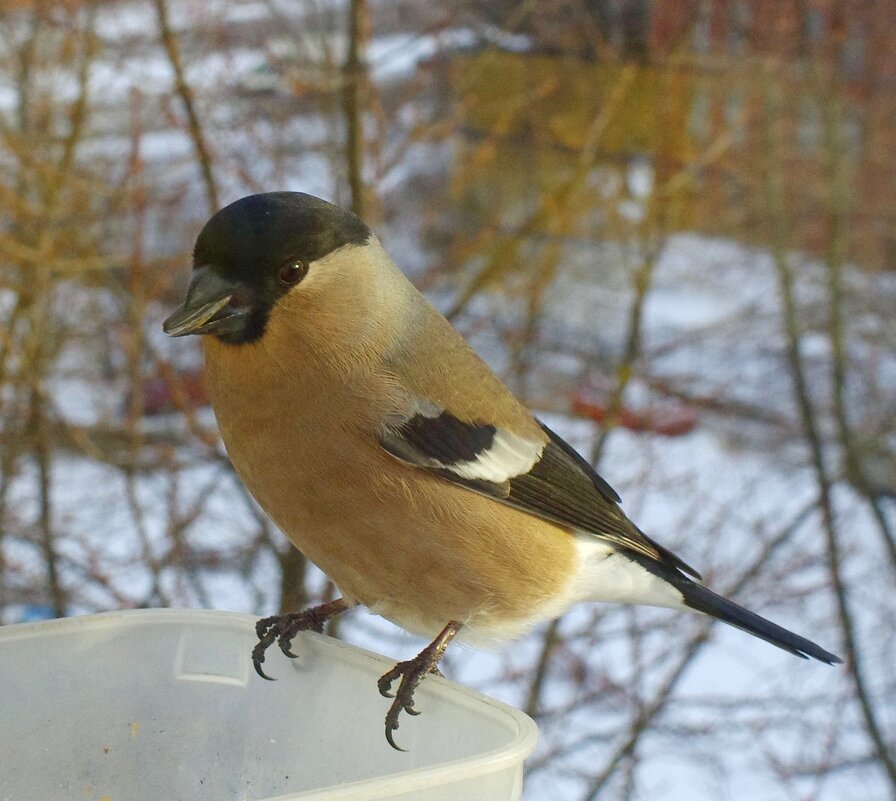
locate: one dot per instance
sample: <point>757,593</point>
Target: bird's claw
<point>411,673</point>
<point>384,683</point>
<point>266,630</point>
<point>283,628</point>
<point>285,648</point>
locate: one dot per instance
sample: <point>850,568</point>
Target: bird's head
<point>254,252</point>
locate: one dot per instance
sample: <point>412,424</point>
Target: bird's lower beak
<point>208,308</point>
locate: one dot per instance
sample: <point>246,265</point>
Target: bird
<point>392,456</point>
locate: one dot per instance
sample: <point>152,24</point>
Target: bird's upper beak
<point>208,308</point>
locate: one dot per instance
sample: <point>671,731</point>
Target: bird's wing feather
<point>544,478</point>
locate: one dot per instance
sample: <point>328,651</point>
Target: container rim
<point>520,746</point>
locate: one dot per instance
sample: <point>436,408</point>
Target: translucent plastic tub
<point>163,705</point>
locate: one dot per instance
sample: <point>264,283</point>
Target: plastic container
<point>163,705</point>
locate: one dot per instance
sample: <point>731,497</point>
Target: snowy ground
<point>713,504</point>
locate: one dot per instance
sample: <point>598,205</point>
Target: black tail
<point>703,600</point>
<point>697,597</point>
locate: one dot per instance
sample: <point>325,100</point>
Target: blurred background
<point>670,226</point>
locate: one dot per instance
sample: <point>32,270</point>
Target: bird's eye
<point>292,272</point>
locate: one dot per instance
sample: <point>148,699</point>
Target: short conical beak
<point>207,308</point>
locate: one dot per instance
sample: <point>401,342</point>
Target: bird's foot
<point>282,629</point>
<point>412,672</point>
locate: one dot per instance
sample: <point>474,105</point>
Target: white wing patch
<point>508,456</point>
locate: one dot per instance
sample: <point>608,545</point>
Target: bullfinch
<point>392,456</point>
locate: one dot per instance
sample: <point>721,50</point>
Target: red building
<point>816,80</point>
<point>741,99</point>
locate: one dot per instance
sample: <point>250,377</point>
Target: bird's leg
<point>412,673</point>
<point>283,628</point>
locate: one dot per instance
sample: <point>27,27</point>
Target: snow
<point>738,491</point>
<point>657,485</point>
<point>397,56</point>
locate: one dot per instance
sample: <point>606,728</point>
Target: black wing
<point>549,480</point>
